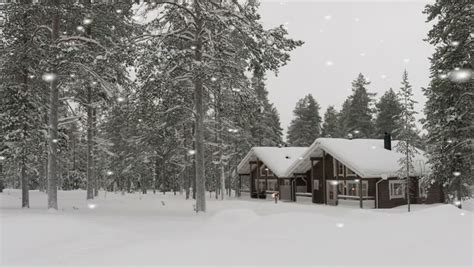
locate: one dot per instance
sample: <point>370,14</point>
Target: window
<point>316,185</point>
<point>349,172</point>
<point>422,190</point>
<point>265,171</point>
<point>272,185</point>
<point>352,188</point>
<point>340,169</point>
<point>396,189</point>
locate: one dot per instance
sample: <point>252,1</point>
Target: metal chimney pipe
<point>387,141</point>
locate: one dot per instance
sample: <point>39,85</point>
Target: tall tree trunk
<point>222,182</point>
<point>53,120</point>
<point>193,159</point>
<point>94,153</point>
<point>199,109</point>
<point>90,124</point>
<point>187,178</point>
<point>408,177</point>
<point>155,175</point>
<point>90,185</point>
<point>25,199</point>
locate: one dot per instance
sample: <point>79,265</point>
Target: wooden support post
<point>258,179</point>
<point>360,194</point>
<point>324,178</point>
<point>251,184</point>
<point>266,181</point>
<point>240,186</point>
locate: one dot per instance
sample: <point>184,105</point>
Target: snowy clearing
<point>137,229</point>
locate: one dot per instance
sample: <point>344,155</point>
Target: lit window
<point>352,188</point>
<point>396,188</point>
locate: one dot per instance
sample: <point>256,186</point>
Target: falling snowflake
<point>120,99</point>
<point>80,28</point>
<point>340,225</point>
<point>328,17</point>
<point>460,75</point>
<point>454,43</point>
<point>87,21</point>
<point>406,60</point>
<point>49,77</point>
<point>329,63</point>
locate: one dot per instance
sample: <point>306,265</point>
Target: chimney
<point>387,141</point>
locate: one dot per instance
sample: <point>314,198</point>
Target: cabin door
<point>331,192</point>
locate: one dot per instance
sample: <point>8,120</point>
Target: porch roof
<point>277,159</point>
<point>366,157</point>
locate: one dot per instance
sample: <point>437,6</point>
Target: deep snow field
<point>136,229</point>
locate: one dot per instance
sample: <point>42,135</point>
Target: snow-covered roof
<point>366,157</point>
<point>277,159</point>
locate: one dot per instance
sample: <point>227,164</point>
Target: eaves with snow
<point>277,159</point>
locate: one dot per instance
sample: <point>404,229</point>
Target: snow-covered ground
<point>137,229</point>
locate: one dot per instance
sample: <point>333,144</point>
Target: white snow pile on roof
<point>277,159</point>
<point>366,157</point>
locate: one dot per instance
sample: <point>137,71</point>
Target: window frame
<point>365,184</point>
<point>391,189</point>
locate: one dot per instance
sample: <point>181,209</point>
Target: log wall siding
<point>435,194</point>
<point>384,194</point>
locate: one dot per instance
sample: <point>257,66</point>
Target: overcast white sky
<point>378,38</point>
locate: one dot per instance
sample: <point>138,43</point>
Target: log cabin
<point>337,171</point>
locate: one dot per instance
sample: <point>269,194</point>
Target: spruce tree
<point>449,110</point>
<point>388,113</point>
<point>21,94</point>
<point>266,130</point>
<point>407,134</point>
<point>331,127</point>
<point>306,126</point>
<point>343,118</point>
<point>359,121</point>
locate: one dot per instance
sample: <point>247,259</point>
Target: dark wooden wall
<point>435,194</point>
<point>384,194</point>
<point>318,195</point>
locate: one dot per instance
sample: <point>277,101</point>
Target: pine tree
<point>331,127</point>
<point>306,126</point>
<point>197,34</point>
<point>449,109</point>
<point>359,122</point>
<point>406,134</point>
<point>21,94</point>
<point>388,113</point>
